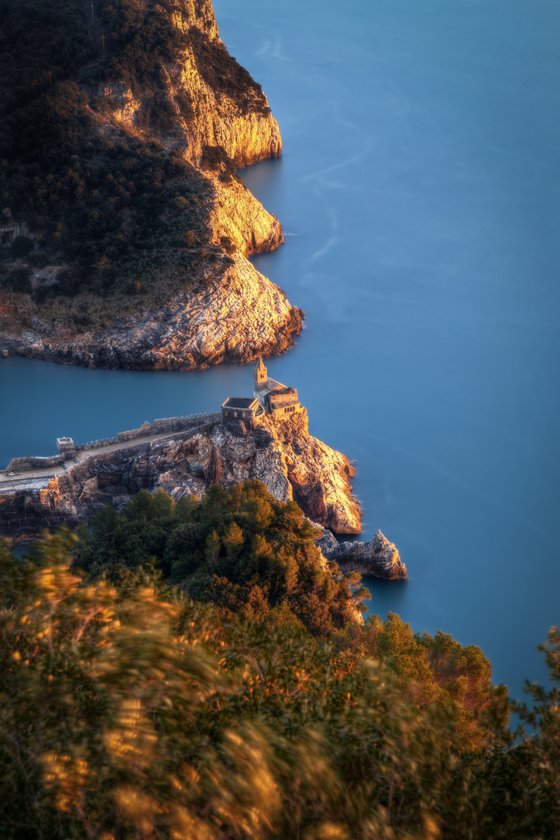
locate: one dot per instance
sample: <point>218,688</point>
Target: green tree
<point>130,711</point>
<point>233,541</point>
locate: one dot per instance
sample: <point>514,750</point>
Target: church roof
<point>271,386</point>
<point>240,402</point>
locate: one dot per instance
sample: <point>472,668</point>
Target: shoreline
<point>184,456</point>
<point>149,267</point>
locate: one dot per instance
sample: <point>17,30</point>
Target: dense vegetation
<point>239,548</point>
<point>129,710</point>
<point>122,211</point>
<point>117,210</point>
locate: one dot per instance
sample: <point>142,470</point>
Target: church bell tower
<point>260,375</point>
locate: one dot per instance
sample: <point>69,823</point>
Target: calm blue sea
<point>419,197</point>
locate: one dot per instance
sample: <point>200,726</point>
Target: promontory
<point>263,437</point>
<point>125,231</point>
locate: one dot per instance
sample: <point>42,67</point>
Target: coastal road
<point>37,479</point>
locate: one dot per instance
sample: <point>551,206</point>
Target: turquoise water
<point>419,196</point>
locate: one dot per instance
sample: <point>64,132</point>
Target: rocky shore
<point>282,454</point>
<point>183,457</point>
<point>235,315</point>
<point>185,295</point>
<point>378,557</point>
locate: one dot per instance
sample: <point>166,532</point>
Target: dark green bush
<point>239,548</point>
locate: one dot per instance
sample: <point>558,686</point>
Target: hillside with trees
<point>239,548</point>
<point>121,127</point>
<point>128,708</point>
<point>99,200</point>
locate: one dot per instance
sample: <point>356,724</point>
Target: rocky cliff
<point>282,454</point>
<point>127,230</point>
<point>290,462</point>
<point>233,314</point>
<point>376,558</point>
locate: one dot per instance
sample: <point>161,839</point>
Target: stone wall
<point>167,425</point>
<point>18,465</point>
<point>283,411</point>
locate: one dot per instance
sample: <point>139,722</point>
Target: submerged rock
<point>378,557</point>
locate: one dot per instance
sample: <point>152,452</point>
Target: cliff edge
<point>182,456</point>
<point>291,463</point>
<point>125,231</point>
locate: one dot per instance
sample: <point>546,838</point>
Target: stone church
<point>269,397</point>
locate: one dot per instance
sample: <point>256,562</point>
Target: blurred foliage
<point>130,710</point>
<point>247,552</point>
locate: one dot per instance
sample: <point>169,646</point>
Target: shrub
<point>132,711</point>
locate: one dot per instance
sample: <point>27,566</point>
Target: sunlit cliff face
<point>149,228</point>
<point>279,452</point>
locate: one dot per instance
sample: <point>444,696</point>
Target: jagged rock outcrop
<point>282,454</point>
<point>128,191</point>
<point>234,315</point>
<point>376,558</point>
<point>238,216</point>
<point>290,462</point>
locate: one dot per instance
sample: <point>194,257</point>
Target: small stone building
<point>240,413</point>
<point>275,398</point>
<point>9,229</point>
<point>270,397</point>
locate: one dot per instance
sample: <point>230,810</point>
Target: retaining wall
<point>167,425</point>
<point>32,462</point>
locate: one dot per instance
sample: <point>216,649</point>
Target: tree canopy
<point>238,547</point>
<point>129,709</point>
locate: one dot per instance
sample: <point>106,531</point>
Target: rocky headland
<point>181,456</point>
<point>125,231</point>
<point>264,437</point>
<point>233,315</point>
<point>376,558</point>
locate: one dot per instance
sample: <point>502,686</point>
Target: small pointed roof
<point>260,364</point>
